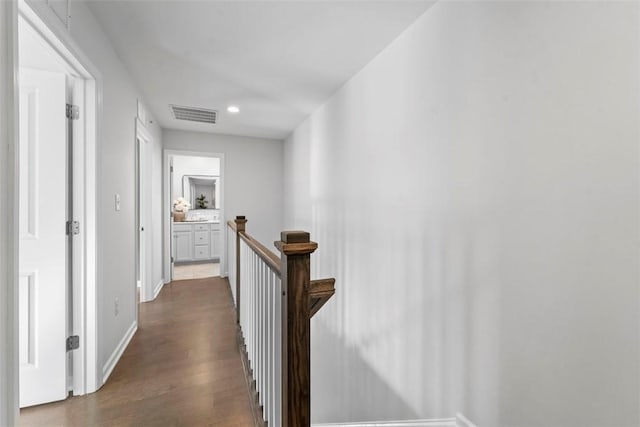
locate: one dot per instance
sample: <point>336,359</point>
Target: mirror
<point>201,191</point>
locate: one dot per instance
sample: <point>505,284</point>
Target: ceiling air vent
<point>192,114</point>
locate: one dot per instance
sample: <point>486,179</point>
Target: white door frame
<point>9,396</point>
<point>86,271</point>
<point>166,175</point>
<point>144,140</point>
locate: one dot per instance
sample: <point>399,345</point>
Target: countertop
<point>204,221</point>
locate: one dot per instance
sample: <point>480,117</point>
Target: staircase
<point>275,299</point>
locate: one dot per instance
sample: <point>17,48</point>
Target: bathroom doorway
<point>196,216</point>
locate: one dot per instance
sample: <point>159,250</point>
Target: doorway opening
<point>57,326</point>
<point>195,209</point>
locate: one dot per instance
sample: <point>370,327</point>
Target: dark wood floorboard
<point>182,368</point>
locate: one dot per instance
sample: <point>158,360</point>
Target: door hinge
<point>171,168</point>
<point>73,112</point>
<point>73,227</point>
<point>73,342</point>
<point>171,259</point>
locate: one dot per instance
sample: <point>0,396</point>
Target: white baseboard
<point>158,288</point>
<point>462,421</point>
<point>458,421</point>
<point>439,422</point>
<point>117,353</point>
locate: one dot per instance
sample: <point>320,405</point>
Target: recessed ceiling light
<point>233,109</point>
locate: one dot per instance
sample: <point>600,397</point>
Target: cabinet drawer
<point>201,227</point>
<point>201,252</point>
<point>215,226</point>
<point>201,237</point>
<point>181,227</point>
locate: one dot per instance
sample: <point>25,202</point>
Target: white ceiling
<point>277,60</point>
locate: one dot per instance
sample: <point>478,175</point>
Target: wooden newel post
<point>296,249</point>
<point>241,222</point>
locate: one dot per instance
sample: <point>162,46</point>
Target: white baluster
<point>260,330</point>
<point>269,340</point>
<point>277,393</point>
<point>261,314</point>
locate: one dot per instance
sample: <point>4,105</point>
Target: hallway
<point>182,368</point>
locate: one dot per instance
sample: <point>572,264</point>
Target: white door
<point>145,244</point>
<point>43,240</point>
<point>141,193</point>
<point>172,242</point>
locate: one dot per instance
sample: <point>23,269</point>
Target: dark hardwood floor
<point>182,368</point>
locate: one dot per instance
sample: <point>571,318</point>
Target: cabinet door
<point>183,245</point>
<point>216,243</point>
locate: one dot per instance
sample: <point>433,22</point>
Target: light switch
<point>117,202</point>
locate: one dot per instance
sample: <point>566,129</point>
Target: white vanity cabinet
<point>196,241</point>
<point>201,241</point>
<point>182,242</point>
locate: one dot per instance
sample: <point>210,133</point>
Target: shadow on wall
<point>483,235</point>
<point>360,362</point>
<point>409,333</point>
<point>348,381</point>
<point>344,369</point>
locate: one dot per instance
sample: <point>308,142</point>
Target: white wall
<point>116,165</point>
<point>252,178</point>
<point>474,190</point>
<point>8,223</point>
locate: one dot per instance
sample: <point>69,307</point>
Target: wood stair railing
<point>282,299</point>
<point>320,292</point>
